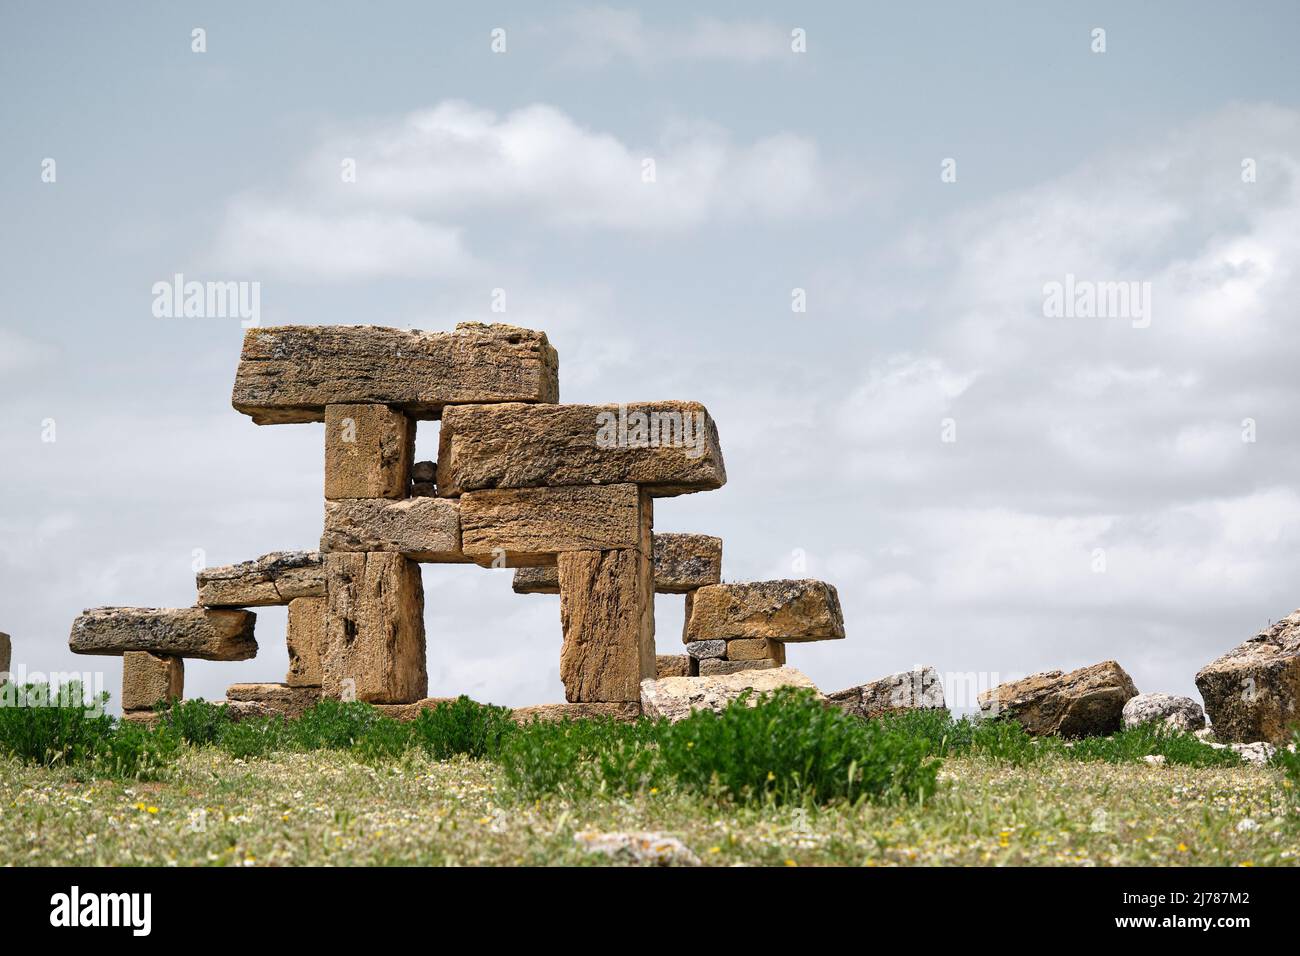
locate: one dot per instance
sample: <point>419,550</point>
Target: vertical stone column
<point>607,613</point>
<point>374,629</point>
<point>368,452</point>
<point>306,640</point>
<point>150,678</point>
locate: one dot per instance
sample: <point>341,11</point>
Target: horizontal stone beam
<point>668,448</point>
<point>786,611</point>
<point>209,635</point>
<point>290,373</point>
<point>421,529</point>
<point>530,526</point>
<point>275,578</point>
<point>682,563</point>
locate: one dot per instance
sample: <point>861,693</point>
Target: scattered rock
<point>918,689</point>
<point>677,697</point>
<point>655,849</point>
<point>1253,692</point>
<point>1179,713</point>
<point>1086,702</point>
<point>1155,760</point>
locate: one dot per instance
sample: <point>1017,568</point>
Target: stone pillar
<point>150,678</point>
<point>368,452</point>
<point>306,639</point>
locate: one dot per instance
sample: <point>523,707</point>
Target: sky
<point>847,243</point>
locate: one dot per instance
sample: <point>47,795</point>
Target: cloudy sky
<point>994,488</point>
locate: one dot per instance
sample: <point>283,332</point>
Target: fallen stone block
<point>713,666</point>
<point>706,649</point>
<point>203,633</point>
<point>685,562</point>
<point>606,612</point>
<point>374,629</point>
<point>918,689</point>
<point>280,698</point>
<point>787,611</point>
<point>305,637</point>
<point>651,849</point>
<point>421,529</point>
<point>755,649</point>
<point>623,711</point>
<point>531,446</point>
<point>1085,702</point>
<point>275,578</point>
<point>672,665</point>
<point>148,679</point>
<point>291,373</point>
<point>677,697</point>
<point>1252,693</point>
<point>368,451</point>
<point>522,527</point>
<point>1177,713</point>
<point>408,712</point>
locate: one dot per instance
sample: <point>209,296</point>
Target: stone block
<point>421,529</point>
<point>755,649</point>
<point>788,611</point>
<point>368,451</point>
<point>203,633</point>
<point>530,526</point>
<point>150,678</point>
<point>606,612</point>
<point>713,666</point>
<point>305,636</point>
<point>277,698</point>
<point>275,578</point>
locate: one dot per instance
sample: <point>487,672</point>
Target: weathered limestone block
<point>374,629</point>
<point>918,689</point>
<point>530,446</point>
<point>210,635</point>
<point>150,678</point>
<point>422,529</point>
<point>275,578</point>
<point>606,611</point>
<point>703,650</point>
<point>522,527</point>
<point>789,611</point>
<point>6,654</point>
<point>672,665</point>
<point>1085,702</point>
<point>407,712</point>
<point>1252,693</point>
<point>291,373</point>
<point>368,451</point>
<point>684,562</point>
<point>1177,713</point>
<point>713,666</point>
<point>278,698</point>
<point>625,711</point>
<point>540,580</point>
<point>305,637</point>
<point>755,649</point>
<point>677,697</point>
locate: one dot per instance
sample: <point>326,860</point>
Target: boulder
<point>1085,702</point>
<point>275,578</point>
<point>918,689</point>
<point>422,529</point>
<point>1252,693</point>
<point>530,446</point>
<point>530,526</point>
<point>677,697</point>
<point>210,635</point>
<point>1178,713</point>
<point>787,611</point>
<point>291,373</point>
<point>368,451</point>
<point>150,678</point>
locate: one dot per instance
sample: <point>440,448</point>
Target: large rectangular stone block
<point>682,563</point>
<point>529,526</point>
<point>150,678</point>
<point>374,629</point>
<point>800,610</point>
<point>280,699</point>
<point>305,637</point>
<point>608,646</point>
<point>368,451</point>
<point>203,633</point>
<point>422,529</point>
<point>671,450</point>
<point>291,373</point>
<point>275,578</point>
<point>755,649</point>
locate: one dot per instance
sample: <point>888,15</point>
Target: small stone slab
<point>755,649</point>
<point>516,445</point>
<point>279,698</point>
<point>788,611</point>
<point>291,373</point>
<point>702,650</point>
<point>713,666</point>
<point>672,665</point>
<point>421,529</point>
<point>684,562</point>
<point>202,633</point>
<point>275,578</point>
<point>408,712</point>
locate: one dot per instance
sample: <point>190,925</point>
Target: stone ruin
<point>563,493</point>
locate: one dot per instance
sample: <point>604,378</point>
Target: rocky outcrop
<point>1085,702</point>
<point>675,698</point>
<point>1252,693</point>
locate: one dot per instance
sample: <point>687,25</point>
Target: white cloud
<point>597,36</point>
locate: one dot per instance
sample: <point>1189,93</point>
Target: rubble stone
<point>1085,702</point>
<point>677,697</point>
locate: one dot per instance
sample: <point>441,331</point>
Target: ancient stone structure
<point>563,493</point>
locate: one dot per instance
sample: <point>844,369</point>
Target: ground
<point>326,807</point>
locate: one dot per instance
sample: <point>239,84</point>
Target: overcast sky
<point>993,488</point>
